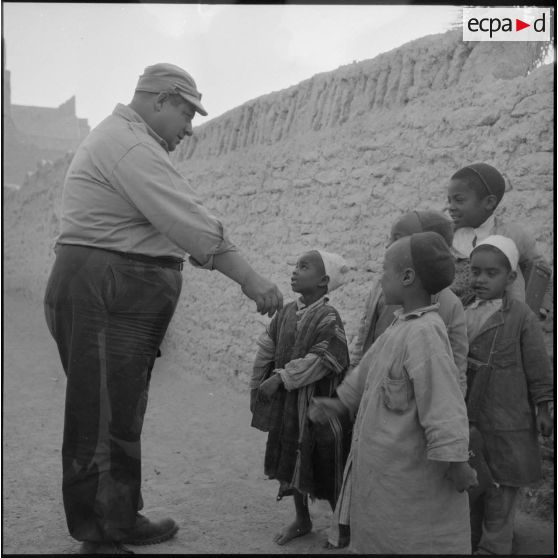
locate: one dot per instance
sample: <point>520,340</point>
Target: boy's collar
<point>472,299</point>
<point>301,306</point>
<point>485,228</point>
<point>416,313</point>
<point>483,302</point>
<point>463,237</point>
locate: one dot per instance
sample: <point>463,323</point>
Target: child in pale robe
<point>404,482</point>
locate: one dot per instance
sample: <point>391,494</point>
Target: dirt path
<point>203,464</point>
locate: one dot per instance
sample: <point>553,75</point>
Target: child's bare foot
<point>298,528</point>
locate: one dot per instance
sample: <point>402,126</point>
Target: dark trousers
<point>108,316</point>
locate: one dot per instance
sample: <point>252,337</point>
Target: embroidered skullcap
<point>171,78</point>
<point>335,267</point>
<point>486,176</point>
<point>432,261</point>
<point>437,222</point>
<point>505,245</point>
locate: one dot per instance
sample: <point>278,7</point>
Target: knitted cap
<point>505,245</point>
<point>488,177</point>
<point>437,222</point>
<point>432,261</point>
<point>168,77</point>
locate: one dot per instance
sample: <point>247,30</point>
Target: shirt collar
<point>482,302</point>
<point>483,230</point>
<point>416,313</point>
<point>128,113</point>
<point>302,307</point>
<point>463,238</point>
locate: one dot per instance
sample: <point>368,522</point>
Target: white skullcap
<point>335,268</point>
<point>505,245</point>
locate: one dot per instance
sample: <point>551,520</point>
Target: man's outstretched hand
<point>264,293</point>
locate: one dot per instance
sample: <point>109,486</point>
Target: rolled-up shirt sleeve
<point>147,178</point>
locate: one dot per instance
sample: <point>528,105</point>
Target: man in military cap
<point>128,219</point>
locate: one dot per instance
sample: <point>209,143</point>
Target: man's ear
<point>160,100</point>
<point>408,276</point>
<point>324,281</point>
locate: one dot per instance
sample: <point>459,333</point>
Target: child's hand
<point>270,386</point>
<point>544,422</point>
<point>462,475</point>
<point>322,408</point>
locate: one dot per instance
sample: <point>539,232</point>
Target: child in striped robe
<point>303,353</point>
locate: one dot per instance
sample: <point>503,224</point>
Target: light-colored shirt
<point>466,238</point>
<point>123,193</point>
<point>411,420</point>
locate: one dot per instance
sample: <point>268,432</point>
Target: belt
<point>162,261</point>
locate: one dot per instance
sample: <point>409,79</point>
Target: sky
<point>234,52</point>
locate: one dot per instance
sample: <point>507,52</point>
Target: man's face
<point>174,121</point>
<point>489,274</point>
<point>308,273</point>
<point>465,207</point>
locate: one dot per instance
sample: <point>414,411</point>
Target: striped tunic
<point>308,348</point>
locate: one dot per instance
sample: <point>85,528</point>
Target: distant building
<point>31,134</point>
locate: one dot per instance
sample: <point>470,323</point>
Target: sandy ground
<point>202,465</point>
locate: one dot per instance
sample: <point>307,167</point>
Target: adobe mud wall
<point>331,163</point>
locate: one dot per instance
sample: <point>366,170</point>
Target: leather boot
<point>146,531</point>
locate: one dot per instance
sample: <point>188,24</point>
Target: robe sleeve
<point>302,371</point>
<point>536,363</point>
<point>351,390</point>
<point>440,404</point>
<point>328,354</point>
<point>264,358</point>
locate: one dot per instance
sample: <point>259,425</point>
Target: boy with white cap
<point>303,353</point>
<point>404,482</point>
<point>509,389</point>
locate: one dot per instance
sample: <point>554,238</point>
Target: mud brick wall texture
<point>331,163</point>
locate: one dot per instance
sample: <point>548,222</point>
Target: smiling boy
<point>509,389</point>
<point>302,353</point>
<point>474,193</point>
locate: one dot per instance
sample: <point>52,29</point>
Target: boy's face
<point>406,225</point>
<point>489,274</point>
<point>465,206</point>
<point>308,274</point>
<point>395,260</point>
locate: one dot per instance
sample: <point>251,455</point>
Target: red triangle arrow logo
<point>519,25</point>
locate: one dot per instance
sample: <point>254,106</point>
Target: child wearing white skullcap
<point>335,267</point>
<point>509,387</point>
<point>303,352</point>
<point>481,308</point>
